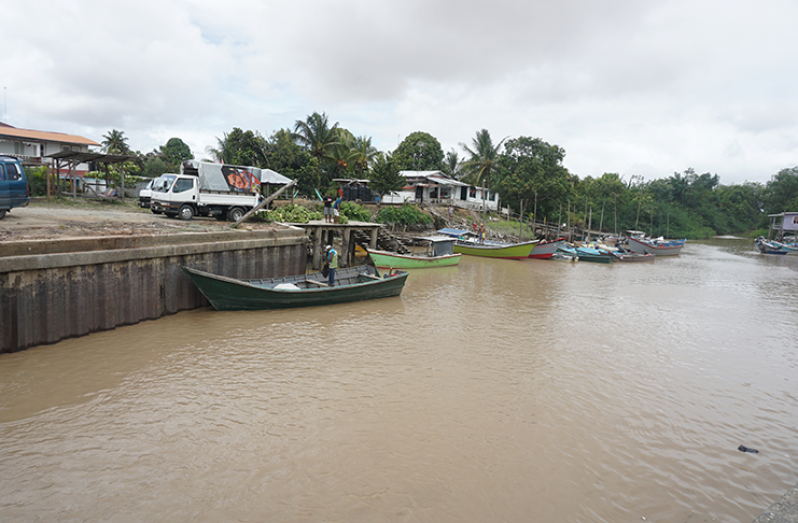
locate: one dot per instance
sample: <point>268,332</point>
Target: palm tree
<point>222,153</point>
<point>483,155</point>
<point>316,135</point>
<point>115,142</point>
<point>452,164</point>
<point>362,154</point>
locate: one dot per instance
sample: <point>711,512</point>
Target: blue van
<point>14,189</point>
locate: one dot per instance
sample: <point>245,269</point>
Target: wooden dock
<point>321,234</point>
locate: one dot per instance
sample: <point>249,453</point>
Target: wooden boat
<point>546,249</point>
<point>467,244</point>
<point>629,257</point>
<point>589,254</point>
<point>656,247</point>
<point>774,247</point>
<point>303,290</point>
<point>514,251</point>
<point>440,253</point>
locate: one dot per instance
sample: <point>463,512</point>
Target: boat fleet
<point>444,249</point>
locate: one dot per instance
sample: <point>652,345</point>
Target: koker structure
<point>211,189</point>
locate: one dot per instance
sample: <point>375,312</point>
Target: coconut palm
<point>115,142</point>
<point>483,154</point>
<point>452,165</point>
<point>362,154</point>
<point>222,153</point>
<point>316,135</point>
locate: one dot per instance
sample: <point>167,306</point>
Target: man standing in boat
<point>332,261</point>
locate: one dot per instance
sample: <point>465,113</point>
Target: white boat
<point>658,247</point>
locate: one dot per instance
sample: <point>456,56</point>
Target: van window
<point>2,173</point>
<point>183,185</point>
<point>13,172</point>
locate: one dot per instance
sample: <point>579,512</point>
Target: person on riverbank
<point>328,212</point>
<point>332,263</point>
<point>337,209</point>
<point>482,233</point>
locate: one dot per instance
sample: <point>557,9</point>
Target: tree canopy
<point>420,151</point>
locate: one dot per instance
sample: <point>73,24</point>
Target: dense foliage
<point>404,215</point>
<point>527,173</point>
<point>355,212</point>
<point>289,214</point>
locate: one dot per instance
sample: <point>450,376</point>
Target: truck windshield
<point>164,183</point>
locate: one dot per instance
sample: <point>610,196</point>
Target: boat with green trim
<point>514,251</point>
<point>303,290</point>
<point>439,253</point>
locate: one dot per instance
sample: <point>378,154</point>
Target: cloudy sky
<point>637,87</point>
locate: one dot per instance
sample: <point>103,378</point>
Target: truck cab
<point>145,195</point>
<point>14,188</point>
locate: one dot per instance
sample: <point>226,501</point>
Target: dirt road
<point>60,220</point>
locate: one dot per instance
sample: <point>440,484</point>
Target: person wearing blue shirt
<point>332,261</point>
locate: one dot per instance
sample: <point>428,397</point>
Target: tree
<point>156,166</point>
<point>452,164</point>
<point>385,177</point>
<point>483,154</point>
<point>240,147</point>
<point>115,142</point>
<point>174,153</point>
<point>531,170</point>
<point>420,151</point>
<point>317,137</point>
<point>362,154</point>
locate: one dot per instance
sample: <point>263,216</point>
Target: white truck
<point>145,195</point>
<point>211,189</point>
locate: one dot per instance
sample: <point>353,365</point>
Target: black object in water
<point>743,448</point>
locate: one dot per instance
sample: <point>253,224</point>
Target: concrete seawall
<point>51,290</point>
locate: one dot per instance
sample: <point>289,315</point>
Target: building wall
<point>62,289</point>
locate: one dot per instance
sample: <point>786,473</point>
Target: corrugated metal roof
<point>43,136</point>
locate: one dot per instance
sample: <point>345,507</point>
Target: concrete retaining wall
<point>56,289</point>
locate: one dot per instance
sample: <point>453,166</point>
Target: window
<point>13,172</point>
<point>2,173</point>
<point>183,185</point>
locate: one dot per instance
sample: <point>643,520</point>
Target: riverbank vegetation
<point>527,173</point>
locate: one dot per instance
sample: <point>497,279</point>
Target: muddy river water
<point>493,391</point>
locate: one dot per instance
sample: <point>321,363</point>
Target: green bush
<point>404,215</point>
<point>289,214</point>
<point>355,212</point>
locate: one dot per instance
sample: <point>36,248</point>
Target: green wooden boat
<point>516,251</point>
<point>303,290</point>
<point>439,253</point>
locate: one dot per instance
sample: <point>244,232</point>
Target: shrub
<point>289,214</point>
<point>355,212</point>
<point>404,215</point>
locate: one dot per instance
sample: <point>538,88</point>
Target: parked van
<point>14,188</point>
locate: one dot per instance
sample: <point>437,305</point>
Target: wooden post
<point>375,231</point>
<point>318,247</point>
<point>344,256</point>
<point>601,222</point>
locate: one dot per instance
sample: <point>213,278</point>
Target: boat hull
<point>514,251</point>
<point>545,250</point>
<point>228,294</point>
<point>633,257</point>
<point>390,260</point>
<point>670,248</point>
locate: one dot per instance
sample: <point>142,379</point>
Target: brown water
<point>494,391</point>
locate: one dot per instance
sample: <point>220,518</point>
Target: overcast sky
<point>636,87</point>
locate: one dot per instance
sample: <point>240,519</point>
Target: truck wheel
<point>170,214</point>
<point>2,214</point>
<point>235,214</point>
<point>186,212</point>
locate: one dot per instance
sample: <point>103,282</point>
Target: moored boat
<point>440,253</point>
<point>514,251</point>
<point>592,255</point>
<point>546,249</point>
<point>303,290</point>
<point>629,257</point>
<point>467,244</point>
<point>774,247</point>
<point>656,247</point>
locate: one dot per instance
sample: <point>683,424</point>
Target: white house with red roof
<point>32,147</point>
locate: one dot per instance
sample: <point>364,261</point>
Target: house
<point>33,147</point>
<point>437,187</point>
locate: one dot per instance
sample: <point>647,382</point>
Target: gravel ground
<point>41,220</point>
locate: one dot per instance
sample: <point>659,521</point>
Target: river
<point>498,390</point>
